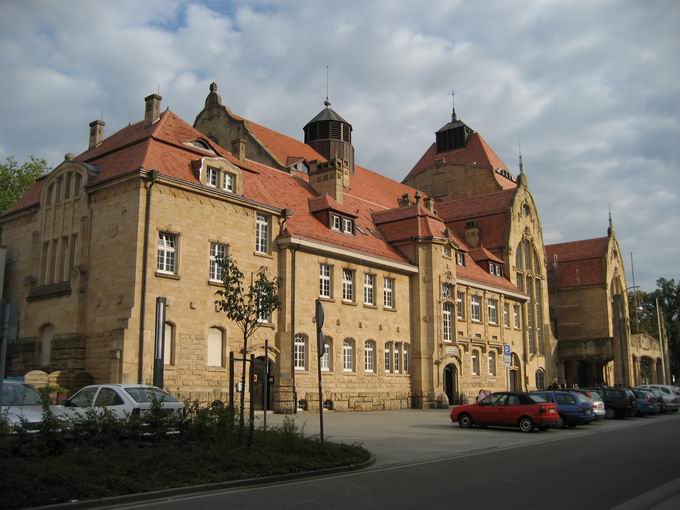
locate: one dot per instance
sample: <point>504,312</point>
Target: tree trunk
<point>241,418</point>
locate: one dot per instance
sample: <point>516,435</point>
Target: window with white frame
<point>369,356</point>
<point>348,285</point>
<point>261,233</point>
<point>324,280</point>
<point>335,222</point>
<point>217,252</point>
<point>229,182</point>
<point>388,292</point>
<point>263,316</point>
<point>447,250</point>
<point>326,355</point>
<point>300,352</point>
<point>407,358</point>
<point>460,305</point>
<point>388,357</point>
<point>216,347</point>
<point>169,344</point>
<point>397,357</point>
<point>369,288</point>
<point>447,329</point>
<point>476,308</point>
<point>211,176</point>
<point>475,361</point>
<point>492,363</point>
<point>515,315</point>
<point>506,315</point>
<point>347,226</point>
<point>167,253</point>
<point>348,355</point>
<point>460,258</point>
<point>492,306</point>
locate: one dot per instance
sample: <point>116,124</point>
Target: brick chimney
<point>152,111</point>
<point>331,177</point>
<point>96,133</point>
<point>472,233</point>
<point>238,148</point>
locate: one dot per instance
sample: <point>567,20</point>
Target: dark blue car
<point>574,409</point>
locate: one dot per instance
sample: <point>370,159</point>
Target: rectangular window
<point>262,234</point>
<point>446,322</point>
<point>169,344</point>
<point>217,251</point>
<point>211,176</point>
<point>216,344</point>
<point>369,357</point>
<point>347,226</point>
<point>388,292</point>
<point>539,315</point>
<point>335,222</point>
<point>397,358</point>
<point>515,315</point>
<point>53,261</point>
<point>46,263</point>
<point>325,281</point>
<point>299,349</point>
<point>229,182</point>
<point>506,315</point>
<point>388,357</point>
<point>167,253</point>
<point>492,306</point>
<point>347,285</point>
<point>369,284</point>
<point>326,356</point>
<point>63,260</point>
<point>447,250</point>
<point>476,303</point>
<point>347,356</point>
<point>460,258</point>
<point>407,358</point>
<point>73,257</point>
<point>460,305</point>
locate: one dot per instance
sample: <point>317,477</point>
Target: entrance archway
<point>451,383</point>
<point>515,374</point>
<point>259,369</point>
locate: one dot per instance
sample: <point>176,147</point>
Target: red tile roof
<point>480,254</point>
<point>325,201</point>
<point>577,263</point>
<point>403,223</point>
<point>471,271</point>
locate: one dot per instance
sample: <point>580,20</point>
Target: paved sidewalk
<point>415,435</point>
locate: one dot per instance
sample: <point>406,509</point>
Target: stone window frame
<point>212,173</point>
<point>476,303</point>
<point>300,352</point>
<point>262,233</point>
<point>223,167</point>
<point>214,269</point>
<point>506,315</point>
<point>461,301</point>
<point>397,353</point>
<point>406,358</point>
<point>170,358</point>
<point>370,346</point>
<point>175,250</point>
<point>475,362</point>
<point>492,311</point>
<point>387,357</point>
<point>348,285</point>
<point>348,355</point>
<point>447,321</point>
<point>229,181</point>
<point>326,359</point>
<point>325,278</point>
<point>223,347</point>
<point>369,288</point>
<point>517,316</point>
<point>389,290</point>
<point>492,360</point>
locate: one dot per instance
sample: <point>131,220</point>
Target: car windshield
<point>146,395</point>
<point>594,395</point>
<point>581,397</point>
<point>19,395</point>
<point>538,399</point>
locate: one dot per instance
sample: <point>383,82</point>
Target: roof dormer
<point>219,174</point>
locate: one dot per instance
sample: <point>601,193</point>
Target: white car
<point>670,395</point>
<point>123,400</point>
<point>21,403</point>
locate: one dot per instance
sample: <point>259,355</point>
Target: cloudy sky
<point>590,89</point>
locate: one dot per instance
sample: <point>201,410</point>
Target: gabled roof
<point>480,254</point>
<point>327,202</point>
<point>283,148</point>
<point>477,152</point>
<point>577,263</point>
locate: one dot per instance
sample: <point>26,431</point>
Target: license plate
<point>551,411</point>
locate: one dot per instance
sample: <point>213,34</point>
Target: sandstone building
<point>423,282</point>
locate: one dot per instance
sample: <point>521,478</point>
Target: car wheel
<point>526,424</point>
<point>609,413</point>
<point>465,421</point>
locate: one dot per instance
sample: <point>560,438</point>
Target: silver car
<point>21,403</point>
<point>669,395</point>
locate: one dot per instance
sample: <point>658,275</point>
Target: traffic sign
<point>507,349</point>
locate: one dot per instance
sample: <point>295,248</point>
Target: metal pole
<point>319,350</point>
<point>251,373</point>
<point>266,380</point>
<point>159,347</point>
<point>661,342</point>
<point>622,335</point>
<point>231,384</point>
<point>635,301</point>
<point>4,338</point>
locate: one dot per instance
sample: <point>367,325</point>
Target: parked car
<point>510,409</point>
<point>21,403</point>
<point>573,408</point>
<point>671,400</point>
<point>122,400</point>
<point>595,400</point>
<point>618,402</point>
<point>645,402</point>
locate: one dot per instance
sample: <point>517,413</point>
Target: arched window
<point>300,352</point>
<point>169,344</point>
<point>529,278</point>
<point>216,348</point>
<point>46,336</point>
<point>475,362</point>
<point>348,355</point>
<point>540,379</point>
<point>369,356</point>
<point>492,363</point>
<point>447,330</point>
<point>327,354</point>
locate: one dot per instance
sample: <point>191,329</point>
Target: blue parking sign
<point>507,350</point>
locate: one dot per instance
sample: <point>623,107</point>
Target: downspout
<point>293,250</point>
<point>145,258</point>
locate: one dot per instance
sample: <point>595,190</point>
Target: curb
<point>208,487</point>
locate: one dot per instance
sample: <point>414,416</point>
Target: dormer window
<point>211,176</point>
<point>347,226</point>
<point>335,222</point>
<point>460,258</point>
<point>229,182</point>
<point>495,269</point>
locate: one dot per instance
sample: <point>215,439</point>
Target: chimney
<point>331,177</point>
<point>472,233</point>
<point>96,133</point>
<point>152,112</point>
<point>238,148</point>
<point>429,204</point>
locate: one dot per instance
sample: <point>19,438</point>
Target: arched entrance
<point>515,374</point>
<point>647,370</point>
<point>259,369</point>
<point>451,383</point>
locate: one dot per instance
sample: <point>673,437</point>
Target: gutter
<point>153,175</point>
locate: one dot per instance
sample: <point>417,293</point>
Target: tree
<point>668,294</point>
<point>249,307</point>
<point>15,179</point>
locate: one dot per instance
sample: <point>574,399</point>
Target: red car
<point>508,409</point>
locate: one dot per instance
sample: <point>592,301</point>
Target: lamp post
<point>622,333</point>
<point>664,364</point>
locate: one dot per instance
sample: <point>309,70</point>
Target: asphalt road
<point>596,470</point>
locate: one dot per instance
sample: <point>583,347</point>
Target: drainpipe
<point>153,175</point>
<point>293,250</point>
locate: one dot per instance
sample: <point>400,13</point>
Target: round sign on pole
<point>507,349</point>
